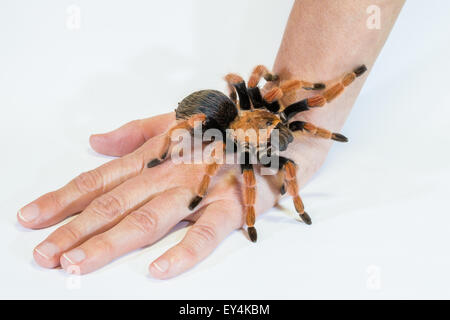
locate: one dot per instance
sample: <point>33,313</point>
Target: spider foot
<point>360,70</point>
<point>154,162</point>
<point>195,202</point>
<point>252,234</point>
<point>271,77</point>
<point>339,137</point>
<point>306,218</point>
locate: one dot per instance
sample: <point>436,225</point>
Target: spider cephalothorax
<point>247,110</point>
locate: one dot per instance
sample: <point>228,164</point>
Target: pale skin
<point>123,206</point>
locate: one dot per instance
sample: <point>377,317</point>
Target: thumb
<point>131,136</point>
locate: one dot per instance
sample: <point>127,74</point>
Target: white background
<point>380,204</point>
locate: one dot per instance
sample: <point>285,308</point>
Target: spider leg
<point>270,100</point>
<point>291,188</point>
<point>316,131</point>
<point>320,99</point>
<point>288,169</point>
<point>328,95</point>
<point>237,85</point>
<point>211,170</point>
<point>259,72</point>
<point>231,79</point>
<point>249,196</point>
<point>293,85</point>
<point>185,124</point>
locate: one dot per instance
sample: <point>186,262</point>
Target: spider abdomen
<point>220,111</point>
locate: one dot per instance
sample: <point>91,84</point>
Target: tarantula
<point>255,111</point>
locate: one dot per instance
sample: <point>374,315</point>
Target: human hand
<point>125,206</point>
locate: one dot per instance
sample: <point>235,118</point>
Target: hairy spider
<point>246,108</point>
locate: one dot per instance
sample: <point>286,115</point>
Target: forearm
<point>322,41</point>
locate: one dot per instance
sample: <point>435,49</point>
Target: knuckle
<point>108,206</point>
<point>203,233</point>
<point>235,215</point>
<point>135,160</point>
<point>190,251</point>
<point>88,181</point>
<point>139,160</point>
<point>145,221</point>
<point>70,233</point>
<point>199,236</point>
<point>56,199</point>
<point>103,244</point>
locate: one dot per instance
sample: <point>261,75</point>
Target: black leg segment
<point>244,100</point>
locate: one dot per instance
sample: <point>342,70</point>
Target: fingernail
<point>47,250</point>
<point>75,256</point>
<point>161,265</point>
<point>29,212</point>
